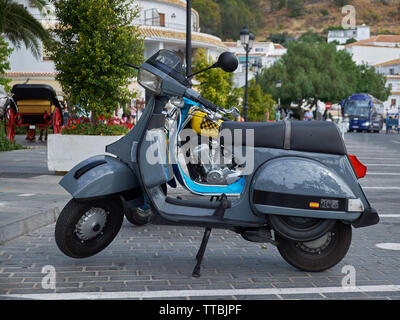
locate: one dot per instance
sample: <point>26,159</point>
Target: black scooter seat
<point>309,136</point>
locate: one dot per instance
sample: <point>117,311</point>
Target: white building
<point>375,50</point>
<point>265,52</point>
<point>358,33</point>
<point>392,71</point>
<point>162,24</point>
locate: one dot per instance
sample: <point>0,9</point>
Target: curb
<point>27,225</point>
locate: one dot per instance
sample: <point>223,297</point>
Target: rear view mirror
<point>227,61</point>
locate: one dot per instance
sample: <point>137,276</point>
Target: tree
<point>238,13</point>
<point>215,85</point>
<point>312,72</point>
<point>19,26</point>
<point>341,3</point>
<point>278,37</point>
<point>94,40</point>
<point>373,83</point>
<point>295,7</point>
<point>259,103</point>
<point>210,21</point>
<point>5,52</point>
<point>311,37</point>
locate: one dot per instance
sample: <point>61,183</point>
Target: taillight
<point>358,167</point>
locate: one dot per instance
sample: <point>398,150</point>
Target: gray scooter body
<point>329,175</point>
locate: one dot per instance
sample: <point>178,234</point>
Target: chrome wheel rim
<point>91,224</point>
<point>317,245</point>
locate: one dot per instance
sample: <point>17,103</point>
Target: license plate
<point>32,127</point>
<point>355,126</point>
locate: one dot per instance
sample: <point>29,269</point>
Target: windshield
<point>358,108</point>
<point>170,63</point>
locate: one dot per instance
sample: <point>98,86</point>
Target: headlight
<point>366,124</point>
<point>150,81</point>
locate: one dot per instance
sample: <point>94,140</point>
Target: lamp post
<point>278,86</point>
<point>188,37</point>
<point>257,66</point>
<point>247,40</point>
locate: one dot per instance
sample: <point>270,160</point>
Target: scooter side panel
<point>99,176</point>
<point>304,174</point>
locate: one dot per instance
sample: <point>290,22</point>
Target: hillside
<point>382,16</point>
<point>225,18</point>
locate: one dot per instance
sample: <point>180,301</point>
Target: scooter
<point>300,193</point>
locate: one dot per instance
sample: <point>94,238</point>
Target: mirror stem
<point>208,68</point>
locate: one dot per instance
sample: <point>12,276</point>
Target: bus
<point>364,113</point>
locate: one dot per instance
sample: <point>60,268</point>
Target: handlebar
<point>195,96</point>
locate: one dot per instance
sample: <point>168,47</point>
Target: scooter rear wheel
<point>138,216</point>
<point>85,228</point>
<point>320,254</point>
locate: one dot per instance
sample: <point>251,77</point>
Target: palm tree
<point>19,26</point>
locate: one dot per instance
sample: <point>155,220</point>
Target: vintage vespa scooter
<point>301,193</point>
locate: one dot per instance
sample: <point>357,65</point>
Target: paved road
<point>156,262</point>
<point>30,196</point>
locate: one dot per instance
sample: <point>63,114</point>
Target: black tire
<point>300,228</point>
<point>317,259</point>
<point>66,227</point>
<point>137,216</point>
<point>140,217</point>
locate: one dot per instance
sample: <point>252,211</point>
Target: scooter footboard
<point>101,176</point>
<point>300,186</point>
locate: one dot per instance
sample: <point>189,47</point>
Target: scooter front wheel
<point>84,228</point>
<point>320,254</point>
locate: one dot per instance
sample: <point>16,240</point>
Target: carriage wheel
<point>57,120</point>
<point>10,124</point>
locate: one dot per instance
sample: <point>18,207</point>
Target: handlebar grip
<point>208,104</point>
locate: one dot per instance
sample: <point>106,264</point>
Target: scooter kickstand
<point>200,253</point>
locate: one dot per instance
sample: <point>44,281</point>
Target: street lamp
<point>247,41</point>
<point>257,66</point>
<point>278,86</point>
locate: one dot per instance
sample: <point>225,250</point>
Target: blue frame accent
<point>235,188</point>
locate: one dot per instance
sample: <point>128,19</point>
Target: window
<point>393,102</point>
<point>259,49</point>
<point>391,71</point>
<point>162,19</point>
<point>390,86</point>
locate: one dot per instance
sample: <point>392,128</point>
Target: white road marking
<point>26,195</point>
<point>396,141</point>
<point>369,158</point>
<point>382,188</point>
<point>382,164</point>
<point>389,246</point>
<point>200,293</point>
<point>383,173</point>
<point>389,215</point>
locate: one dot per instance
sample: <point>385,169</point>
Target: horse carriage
<point>32,106</point>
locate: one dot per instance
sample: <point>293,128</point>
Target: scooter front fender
<point>101,176</point>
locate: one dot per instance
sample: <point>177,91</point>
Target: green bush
<point>5,144</point>
<point>324,12</point>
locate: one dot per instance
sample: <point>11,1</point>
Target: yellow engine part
<point>203,125</point>
<point>35,106</point>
